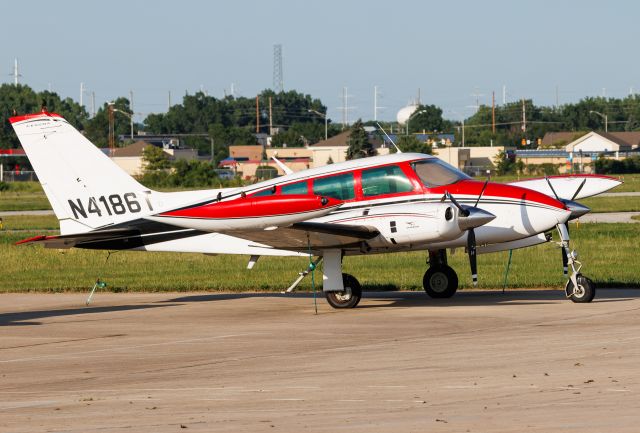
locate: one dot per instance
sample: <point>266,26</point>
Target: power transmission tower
<point>16,74</point>
<point>477,95</point>
<point>278,79</point>
<point>345,107</point>
<point>376,107</point>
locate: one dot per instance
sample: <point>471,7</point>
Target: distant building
<point>245,160</point>
<point>604,142</point>
<point>594,141</point>
<point>335,148</point>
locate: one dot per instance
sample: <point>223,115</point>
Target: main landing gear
<point>347,298</point>
<point>440,280</point>
<point>341,290</point>
<point>579,288</point>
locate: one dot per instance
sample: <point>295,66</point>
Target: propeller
<point>473,262</point>
<point>576,209</point>
<point>473,217</point>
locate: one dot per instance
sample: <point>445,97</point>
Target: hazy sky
<point>447,49</point>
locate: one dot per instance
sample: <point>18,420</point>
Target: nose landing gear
<point>579,288</point>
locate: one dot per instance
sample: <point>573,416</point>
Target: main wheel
<point>585,292</point>
<point>349,297</point>
<point>440,282</point>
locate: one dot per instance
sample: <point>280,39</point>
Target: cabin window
<point>433,172</point>
<point>339,186</point>
<point>265,192</point>
<point>385,180</point>
<point>294,188</point>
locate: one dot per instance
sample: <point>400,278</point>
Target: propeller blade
<point>575,194</point>
<point>565,259</point>
<point>551,186</point>
<point>481,192</point>
<point>471,249</point>
<point>463,211</point>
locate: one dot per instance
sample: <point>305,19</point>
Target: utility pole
<point>112,138</point>
<point>132,112</point>
<point>524,116</point>
<point>81,93</point>
<point>270,117</point>
<point>93,104</point>
<point>463,132</point>
<point>257,114</point>
<point>504,94</point>
<point>493,112</point>
<point>345,108</point>
<point>169,101</point>
<point>213,157</point>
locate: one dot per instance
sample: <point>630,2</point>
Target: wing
<point>566,186</point>
<point>314,235</point>
<point>144,234</point>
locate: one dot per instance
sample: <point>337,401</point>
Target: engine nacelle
<point>405,223</point>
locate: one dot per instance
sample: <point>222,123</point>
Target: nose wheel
<point>440,281</point>
<point>583,292</point>
<point>349,297</point>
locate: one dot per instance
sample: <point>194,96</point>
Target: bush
<point>4,186</point>
<point>628,165</point>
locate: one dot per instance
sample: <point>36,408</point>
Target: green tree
<point>409,143</point>
<point>289,138</point>
<point>358,142</point>
<point>21,99</point>
<point>504,164</point>
<point>97,129</point>
<point>428,118</point>
<point>155,158</point>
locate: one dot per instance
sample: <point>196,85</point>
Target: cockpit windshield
<point>433,172</point>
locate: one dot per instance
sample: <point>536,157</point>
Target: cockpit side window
<point>433,172</point>
<point>339,186</point>
<point>385,180</point>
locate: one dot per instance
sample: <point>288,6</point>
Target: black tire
<point>349,297</point>
<point>586,290</point>
<point>440,282</point>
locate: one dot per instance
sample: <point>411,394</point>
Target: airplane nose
<point>576,209</point>
<point>476,218</point>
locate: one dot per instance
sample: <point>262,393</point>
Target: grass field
<point>607,250</point>
<point>612,204</point>
<point>30,222</point>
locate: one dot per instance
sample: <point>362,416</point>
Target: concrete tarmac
<point>401,362</point>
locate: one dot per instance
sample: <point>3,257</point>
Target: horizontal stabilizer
<point>70,241</point>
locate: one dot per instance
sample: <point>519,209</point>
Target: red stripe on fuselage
<point>474,187</point>
<point>252,207</point>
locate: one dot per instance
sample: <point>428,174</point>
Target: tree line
<point>298,119</point>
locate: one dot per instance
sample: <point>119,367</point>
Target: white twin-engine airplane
<point>382,204</point>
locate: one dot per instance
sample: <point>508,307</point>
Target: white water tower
<point>406,112</point>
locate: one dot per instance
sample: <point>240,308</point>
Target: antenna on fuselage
<point>392,142</point>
